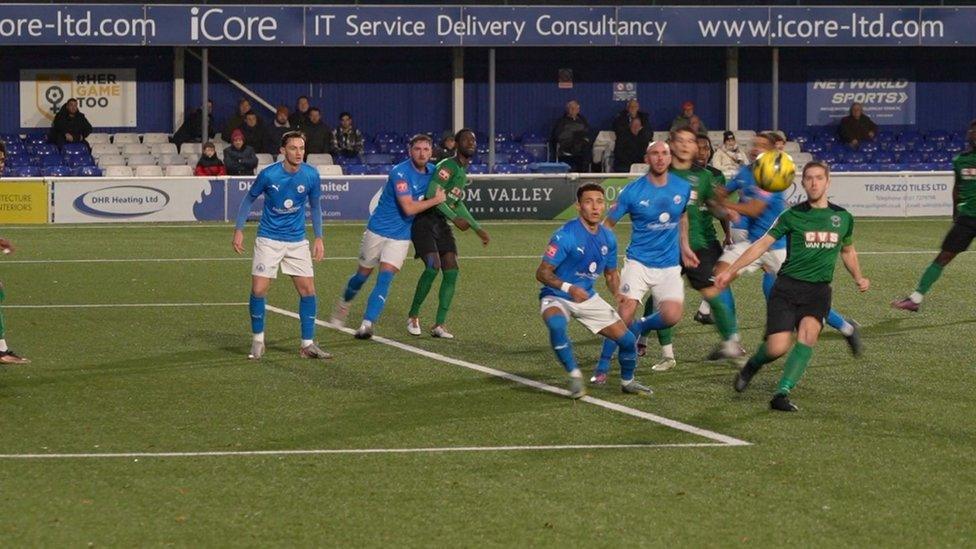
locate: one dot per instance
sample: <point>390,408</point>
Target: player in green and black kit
<point>816,232</point>
<point>433,240</point>
<point>963,230</point>
<point>702,209</point>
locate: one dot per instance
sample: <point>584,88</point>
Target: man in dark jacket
<point>299,118</point>
<point>279,127</point>
<point>237,119</point>
<point>348,139</point>
<point>318,134</point>
<point>70,125</point>
<point>856,127</point>
<point>192,128</point>
<point>255,135</point>
<point>571,139</point>
<point>621,124</point>
<point>631,146</point>
<point>239,159</point>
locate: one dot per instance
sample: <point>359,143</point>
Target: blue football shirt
<point>388,219</point>
<point>580,257</point>
<point>656,215</point>
<point>285,196</point>
<point>775,205</point>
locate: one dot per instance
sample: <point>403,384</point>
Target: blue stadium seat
<point>801,137</point>
<point>370,148</point>
<point>380,169</point>
<point>538,151</point>
<point>856,158</point>
<point>954,147</point>
<point>506,168</point>
<point>76,148</point>
<point>478,168</point>
<point>18,160</point>
<point>379,158</point>
<point>814,147</point>
<point>27,171</point>
<point>891,167</point>
<point>79,160</point>
<point>921,167</point>
<point>533,139</point>
<point>41,149</point>
<point>35,139</point>
<point>502,138</point>
<point>508,147</point>
<point>910,137</point>
<point>925,147</point>
<point>521,158</point>
<point>910,157</point>
<point>549,167</point>
<point>867,167</point>
<point>356,169</point>
<point>885,136</point>
<point>882,157</point>
<point>56,171</point>
<point>828,157</point>
<point>502,158</point>
<point>52,160</point>
<point>482,147</point>
<point>87,171</point>
<point>940,157</point>
<point>869,147</point>
<point>898,147</point>
<point>937,136</point>
<point>827,138</point>
<point>840,167</point>
<point>387,137</point>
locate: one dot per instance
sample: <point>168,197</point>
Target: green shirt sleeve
<point>462,211</point>
<point>848,237</point>
<point>781,226</point>
<point>446,210</point>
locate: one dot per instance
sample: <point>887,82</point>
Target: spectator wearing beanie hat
<point>239,159</point>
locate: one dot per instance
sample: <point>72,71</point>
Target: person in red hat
<point>239,159</point>
<point>684,119</point>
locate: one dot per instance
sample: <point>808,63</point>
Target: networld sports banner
<point>107,97</point>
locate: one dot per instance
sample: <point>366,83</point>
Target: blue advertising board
<point>445,26</point>
<point>343,198</point>
<point>887,100</point>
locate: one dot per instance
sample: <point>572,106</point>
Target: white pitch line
<point>112,305</point>
<point>360,451</point>
<point>718,437</point>
<point>348,258</point>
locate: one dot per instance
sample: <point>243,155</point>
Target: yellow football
<point>774,171</point>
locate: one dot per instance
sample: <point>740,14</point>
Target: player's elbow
<point>541,274</point>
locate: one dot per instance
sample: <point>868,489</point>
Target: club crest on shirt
<point>604,250</point>
<point>835,220</point>
<point>300,189</point>
<point>677,199</point>
<point>592,266</point>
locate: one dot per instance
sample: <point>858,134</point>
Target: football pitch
<point>141,421</point>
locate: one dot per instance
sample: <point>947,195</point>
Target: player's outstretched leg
<point>449,267</point>
<point>704,313</point>
<point>848,328</point>
<point>432,265</point>
<point>6,355</point>
<point>353,285</point>
<point>626,341</point>
<point>376,303</point>
<point>725,323</point>
<point>763,355</point>
<point>256,307</point>
<point>665,338</point>
<point>932,273</point>
<point>563,347</point>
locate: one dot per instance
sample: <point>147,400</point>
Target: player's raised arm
<point>753,253</point>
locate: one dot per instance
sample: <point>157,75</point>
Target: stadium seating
<point>549,167</point>
<point>56,171</point>
<point>118,171</point>
<point>135,148</point>
<point>323,159</point>
<point>111,160</point>
<point>87,171</point>
<point>163,148</point>
<point>125,138</point>
<point>178,171</point>
<point>141,160</point>
<point>98,138</point>
<point>155,138</point>
<point>639,168</point>
<point>171,160</point>
<point>329,169</point>
<point>265,158</point>
<point>149,171</point>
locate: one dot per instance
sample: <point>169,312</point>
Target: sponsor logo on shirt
<point>444,174</point>
<point>821,239</point>
<point>551,250</point>
<point>401,186</point>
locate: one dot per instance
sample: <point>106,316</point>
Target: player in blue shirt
<point>286,187</point>
<point>659,245</point>
<point>762,208</point>
<point>578,253</point>
<point>387,237</point>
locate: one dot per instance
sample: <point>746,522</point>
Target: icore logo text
<point>231,29</point>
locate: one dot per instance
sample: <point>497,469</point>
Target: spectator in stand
<point>70,125</point>
<point>571,139</point>
<point>631,146</point>
<point>300,118</point>
<point>255,135</point>
<point>446,149</point>
<point>695,125</point>
<point>857,127</point>
<point>239,158</point>
<point>209,165</point>
<point>237,120</point>
<point>729,158</point>
<point>280,127</point>
<point>192,129</point>
<point>684,119</point>
<point>621,124</point>
<point>779,142</point>
<point>318,134</point>
<point>348,140</point>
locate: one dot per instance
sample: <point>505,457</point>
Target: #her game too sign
<point>107,97</point>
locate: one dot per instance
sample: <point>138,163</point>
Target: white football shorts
<point>664,284</point>
<point>771,261</point>
<point>594,313</point>
<point>295,258</point>
<point>376,249</point>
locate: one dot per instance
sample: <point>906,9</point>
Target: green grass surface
<point>880,454</point>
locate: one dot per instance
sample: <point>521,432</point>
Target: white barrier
<point>107,200</point>
<point>887,194</point>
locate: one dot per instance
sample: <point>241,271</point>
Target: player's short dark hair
<point>457,136</point>
<point>285,137</point>
<point>586,187</point>
<point>305,97</point>
<point>685,129</point>
<point>249,113</point>
<point>316,109</point>
<point>344,114</point>
<point>420,137</point>
<point>816,164</point>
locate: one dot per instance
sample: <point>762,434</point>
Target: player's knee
<point>432,262</point>
<point>557,323</point>
<point>944,258</point>
<point>627,342</point>
<point>670,315</point>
